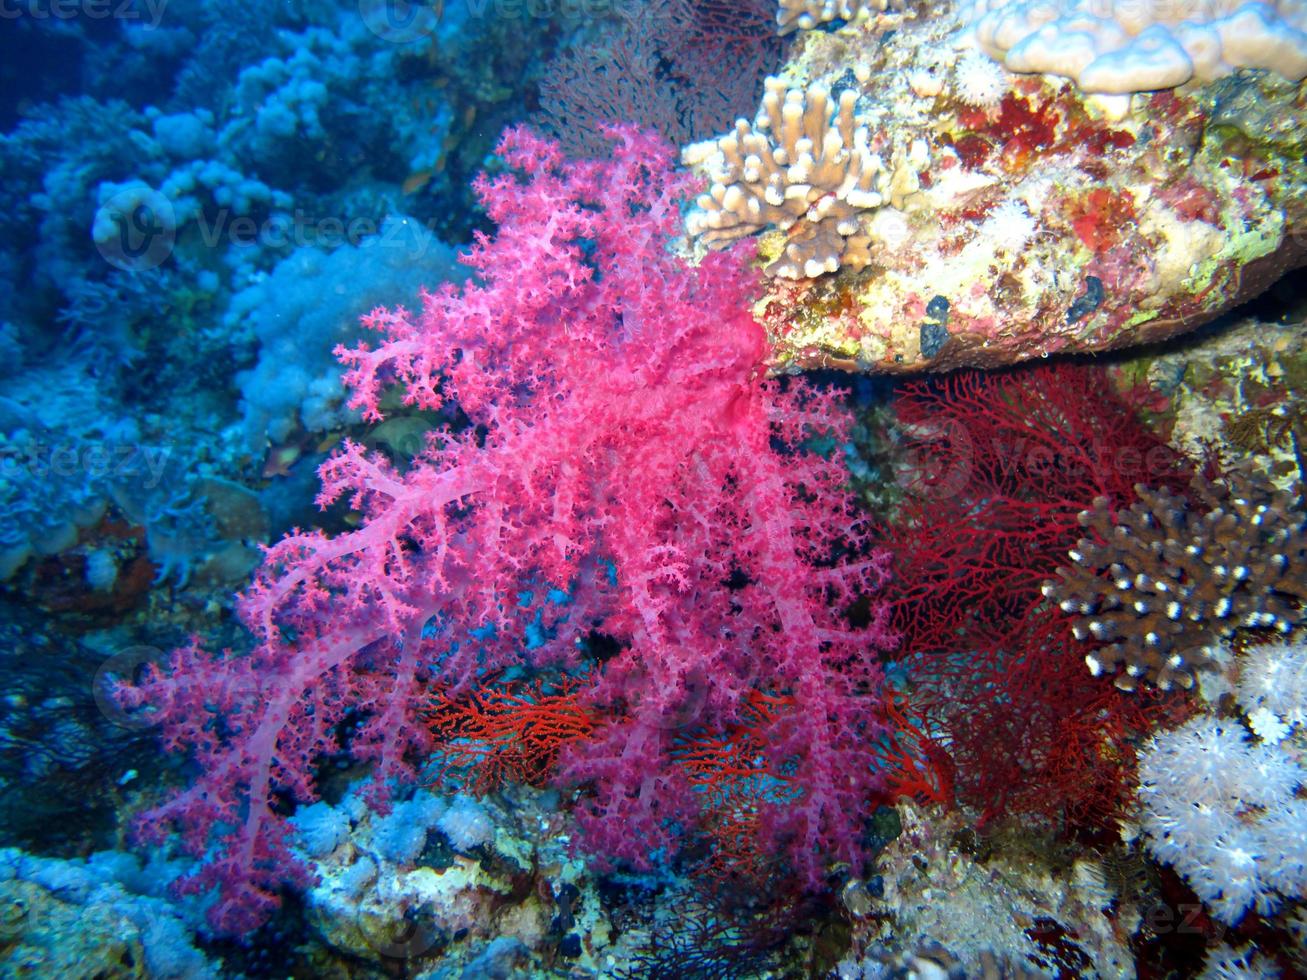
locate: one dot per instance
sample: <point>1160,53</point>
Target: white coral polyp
<point>1267,725</point>
<point>1222,811</point>
<point>978,81</point>
<point>1273,680</point>
<point>1009,226</point>
<point>1119,48</point>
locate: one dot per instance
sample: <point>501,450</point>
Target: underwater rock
<point>1012,912</point>
<point>458,886</point>
<point>45,937</point>
<point>1241,389</point>
<point>75,918</point>
<point>1051,221</point>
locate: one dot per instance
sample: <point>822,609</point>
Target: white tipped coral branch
<point>1162,582</point>
<point>805,167</point>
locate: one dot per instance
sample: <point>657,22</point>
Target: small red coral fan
<point>509,734</point>
<point>1000,465</point>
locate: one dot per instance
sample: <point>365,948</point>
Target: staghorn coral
<point>1160,582</point>
<point>805,166</point>
<point>796,15</point>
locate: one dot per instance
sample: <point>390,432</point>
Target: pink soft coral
<point>624,447</point>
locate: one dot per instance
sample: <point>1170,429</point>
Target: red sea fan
<point>507,733</point>
<point>1000,467</point>
<point>685,68</point>
<point>625,448</point>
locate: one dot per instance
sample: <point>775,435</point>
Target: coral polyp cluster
<point>1222,810</point>
<point>804,167</point>
<point>1157,584</point>
<point>807,14</point>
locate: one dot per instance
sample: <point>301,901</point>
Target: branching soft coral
<point>625,448</point>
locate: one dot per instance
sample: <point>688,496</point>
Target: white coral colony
<point>1223,811</point>
<point>1138,47</point>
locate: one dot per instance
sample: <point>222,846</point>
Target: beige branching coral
<point>796,15</point>
<point>1163,581</point>
<point>805,167</point>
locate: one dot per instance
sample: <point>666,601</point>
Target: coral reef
<point>1137,217</point>
<point>1013,915</point>
<point>592,663</point>
<point>82,918</point>
<point>413,886</point>
<point>665,492</point>
<point>1154,586</point>
<point>1241,390</point>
